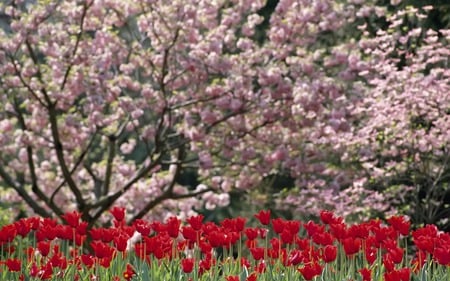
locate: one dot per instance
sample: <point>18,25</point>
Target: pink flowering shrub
<point>402,138</point>
<point>393,152</point>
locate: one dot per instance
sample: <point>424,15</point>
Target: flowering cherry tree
<point>89,83</point>
<point>110,102</point>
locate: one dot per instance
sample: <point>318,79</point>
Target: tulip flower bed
<point>278,249</point>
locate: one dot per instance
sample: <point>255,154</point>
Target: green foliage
<point>5,213</point>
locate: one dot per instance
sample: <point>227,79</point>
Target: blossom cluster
<point>43,249</point>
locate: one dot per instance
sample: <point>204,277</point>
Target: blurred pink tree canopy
<point>108,102</point>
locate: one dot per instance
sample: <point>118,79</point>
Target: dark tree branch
<point>108,201</point>
<point>23,194</point>
<point>166,196</point>
<point>179,159</point>
<point>77,43</point>
<point>24,83</point>
<point>109,164</point>
<point>168,193</point>
<point>32,167</point>
<point>58,146</point>
<point>77,164</point>
<point>111,154</point>
<point>97,182</point>
<point>59,149</point>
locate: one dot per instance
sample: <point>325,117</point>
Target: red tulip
<point>388,263</point>
<point>400,224</point>
<point>234,225</point>
<point>295,257</point>
<point>82,228</point>
<point>371,254</point>
<point>245,262</point>
<point>142,226</point>
<point>366,274</point>
<point>102,250</point>
<point>108,234</point>
<point>257,253</point>
<point>105,262</point>
<point>7,233</point>
<point>87,260</point>
<point>313,228</point>
<point>323,238</point>
<point>158,226</point>
<point>96,233</point>
<point>311,270</point>
<point>351,246</point>
<point>396,254</point>
<point>425,244</point>
<point>14,265</point>
<point>251,233</point>
<point>327,217</point>
<point>418,261</point>
<point>252,277</point>
<point>105,235</point>
<point>129,272</point>
<point>429,230</point>
<point>43,273</point>
<point>64,232</point>
<point>302,244</point>
<point>339,231</point>
<point>260,267</point>
<point>23,227</point>
<point>404,273</point>
<point>43,247</point>
<point>205,264</point>
<point>287,237</point>
<point>187,265</point>
<point>120,242</point>
<point>217,239</point>
<point>58,260</point>
<point>205,247</point>
<point>385,233</point>
<point>329,253</point>
<point>293,226</point>
<point>398,275</point>
<point>173,227</point>
<point>442,255</point>
<point>118,213</point>
<point>263,217</point>
<point>359,231</point>
<point>232,278</point>
<point>189,233</point>
<point>72,218</point>
<point>278,225</point>
<point>196,222</point>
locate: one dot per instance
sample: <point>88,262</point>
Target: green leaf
<point>244,274</point>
